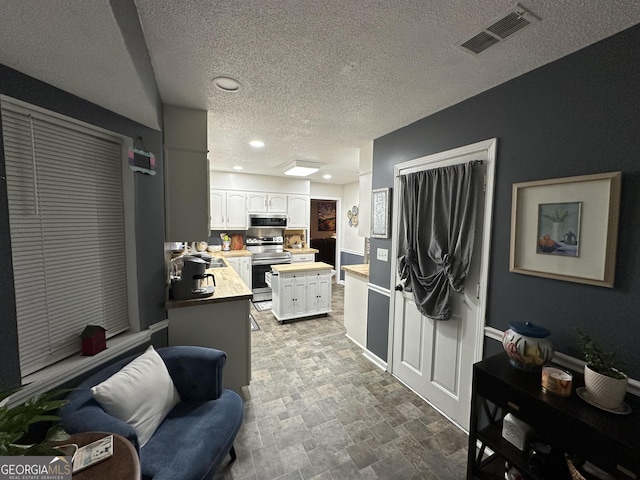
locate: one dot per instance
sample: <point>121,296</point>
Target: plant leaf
<point>56,434</point>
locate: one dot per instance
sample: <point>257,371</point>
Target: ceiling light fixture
<point>237,167</point>
<point>326,177</point>
<point>256,143</point>
<point>300,168</point>
<point>227,84</point>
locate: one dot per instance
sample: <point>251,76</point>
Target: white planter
<point>606,391</point>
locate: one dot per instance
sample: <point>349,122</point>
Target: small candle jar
<point>527,346</point>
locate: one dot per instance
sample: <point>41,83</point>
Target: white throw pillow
<point>141,394</point>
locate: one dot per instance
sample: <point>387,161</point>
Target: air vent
<point>480,42</point>
<point>511,22</point>
<point>509,25</point>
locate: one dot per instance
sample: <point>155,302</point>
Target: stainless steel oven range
<point>265,251</point>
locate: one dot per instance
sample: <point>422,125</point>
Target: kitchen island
<point>302,254</point>
<point>220,321</point>
<point>300,290</point>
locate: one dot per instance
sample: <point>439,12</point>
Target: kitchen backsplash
<point>293,238</point>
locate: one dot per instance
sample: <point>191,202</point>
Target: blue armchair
<point>197,434</point>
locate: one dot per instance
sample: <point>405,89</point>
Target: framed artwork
<point>566,228</point>
<point>326,216</point>
<point>380,212</point>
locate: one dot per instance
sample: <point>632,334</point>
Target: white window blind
<point>64,186</point>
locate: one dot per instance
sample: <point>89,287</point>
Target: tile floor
<point>317,409</point>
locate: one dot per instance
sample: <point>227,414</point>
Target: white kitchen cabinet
<point>228,210</point>
<point>258,202</point>
<point>298,211</point>
<point>242,266</point>
<point>301,293</point>
<point>291,298</point>
<point>318,292</point>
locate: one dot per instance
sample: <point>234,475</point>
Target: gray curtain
<point>437,228</point>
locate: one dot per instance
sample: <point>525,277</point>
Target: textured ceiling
<point>76,45</point>
<point>319,78</point>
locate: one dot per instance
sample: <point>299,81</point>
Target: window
<point>66,213</point>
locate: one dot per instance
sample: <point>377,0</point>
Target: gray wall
<point>149,209</point>
<point>347,258</point>
<point>579,115</point>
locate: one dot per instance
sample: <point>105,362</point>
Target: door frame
<point>487,149</point>
<point>339,226</point>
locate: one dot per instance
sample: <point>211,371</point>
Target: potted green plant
<point>604,379</point>
<point>16,422</point>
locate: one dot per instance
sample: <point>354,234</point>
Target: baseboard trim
<point>358,344</point>
<point>373,358</point>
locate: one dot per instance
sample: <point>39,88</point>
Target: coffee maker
<point>191,281</point>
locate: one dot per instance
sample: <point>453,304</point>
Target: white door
<point>435,358</point>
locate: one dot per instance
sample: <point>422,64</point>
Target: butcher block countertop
<point>231,253</point>
<point>360,270</point>
<point>300,267</point>
<point>301,251</point>
<point>229,286</point>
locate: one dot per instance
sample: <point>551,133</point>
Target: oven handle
<point>270,262</point>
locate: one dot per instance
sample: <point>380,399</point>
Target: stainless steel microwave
<point>267,220</point>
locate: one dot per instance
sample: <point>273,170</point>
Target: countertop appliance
<point>191,281</point>
<point>265,251</point>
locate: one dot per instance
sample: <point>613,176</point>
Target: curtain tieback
<point>447,263</point>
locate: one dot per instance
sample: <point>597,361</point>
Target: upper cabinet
<point>258,202</point>
<point>186,173</point>
<point>228,210</point>
<point>298,211</point>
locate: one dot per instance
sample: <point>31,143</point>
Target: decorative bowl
<point>527,346</point>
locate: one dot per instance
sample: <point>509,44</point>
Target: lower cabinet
<point>318,292</point>
<point>223,325</point>
<point>242,266</point>
<point>301,294</point>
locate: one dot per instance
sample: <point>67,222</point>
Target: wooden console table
<point>567,424</point>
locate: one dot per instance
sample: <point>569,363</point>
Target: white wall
<point>258,183</point>
<point>326,191</point>
<point>350,241</point>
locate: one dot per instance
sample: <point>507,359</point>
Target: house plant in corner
<point>604,380</point>
<point>16,422</point>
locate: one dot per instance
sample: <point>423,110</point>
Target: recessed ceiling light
<point>256,143</point>
<point>227,84</point>
<point>237,167</point>
<point>326,177</point>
